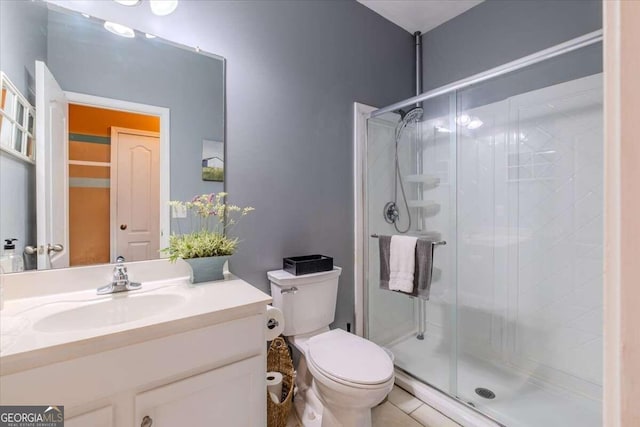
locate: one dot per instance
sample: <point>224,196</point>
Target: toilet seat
<point>349,360</point>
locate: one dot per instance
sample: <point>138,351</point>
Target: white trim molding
<point>622,213</point>
<point>165,148</point>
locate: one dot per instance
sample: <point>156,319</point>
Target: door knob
<point>54,248</point>
<point>123,226</point>
<point>147,421</point>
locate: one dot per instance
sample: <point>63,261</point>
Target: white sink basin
<point>114,311</point>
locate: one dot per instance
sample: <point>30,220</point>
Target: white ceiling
<point>419,15</point>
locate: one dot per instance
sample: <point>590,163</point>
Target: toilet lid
<point>349,358</point>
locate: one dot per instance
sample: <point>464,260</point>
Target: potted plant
<point>207,247</point>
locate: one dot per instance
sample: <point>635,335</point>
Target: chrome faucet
<point>120,282</point>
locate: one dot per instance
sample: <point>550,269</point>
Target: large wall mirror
<point>100,127</point>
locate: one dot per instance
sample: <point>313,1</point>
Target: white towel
<point>402,262</point>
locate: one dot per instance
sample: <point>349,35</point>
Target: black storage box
<point>299,265</point>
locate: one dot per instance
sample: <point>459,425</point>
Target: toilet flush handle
<point>291,290</point>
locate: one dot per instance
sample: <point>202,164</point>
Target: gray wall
<point>20,47</point>
<point>294,70</point>
<point>499,31</point>
<point>87,59</point>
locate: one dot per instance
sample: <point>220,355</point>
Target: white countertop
<point>27,344</point>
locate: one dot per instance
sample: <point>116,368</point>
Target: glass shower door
<point>530,237</point>
<point>420,333</point>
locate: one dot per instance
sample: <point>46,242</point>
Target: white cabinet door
<point>233,395</point>
<point>102,417</point>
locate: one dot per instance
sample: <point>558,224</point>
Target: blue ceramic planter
<point>207,269</point>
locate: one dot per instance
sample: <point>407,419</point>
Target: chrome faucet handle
<point>120,282</point>
<point>121,277</point>
<point>120,271</point>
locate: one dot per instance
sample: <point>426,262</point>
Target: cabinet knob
<point>123,226</point>
<point>146,421</point>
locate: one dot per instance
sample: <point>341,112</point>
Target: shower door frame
<point>361,113</point>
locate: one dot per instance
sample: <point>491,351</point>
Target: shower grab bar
<point>437,243</point>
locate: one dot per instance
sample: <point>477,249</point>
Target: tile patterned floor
<point>400,410</point>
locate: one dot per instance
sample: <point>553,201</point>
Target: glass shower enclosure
<point>509,172</point>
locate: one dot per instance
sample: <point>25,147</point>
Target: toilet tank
<point>308,302</point>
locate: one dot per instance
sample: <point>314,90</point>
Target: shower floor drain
<point>485,392</point>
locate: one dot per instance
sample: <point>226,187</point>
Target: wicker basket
<point>279,359</point>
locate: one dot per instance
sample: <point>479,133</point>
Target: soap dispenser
<point>10,262</point>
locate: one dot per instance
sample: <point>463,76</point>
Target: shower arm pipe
<point>419,148</point>
<point>557,50</point>
<point>418,45</point>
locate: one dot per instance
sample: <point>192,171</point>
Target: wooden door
<point>135,194</point>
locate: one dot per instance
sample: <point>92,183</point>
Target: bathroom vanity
<point>168,354</point>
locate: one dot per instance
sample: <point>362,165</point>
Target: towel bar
<point>439,242</point>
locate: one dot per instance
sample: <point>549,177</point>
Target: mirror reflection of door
<point>135,189</point>
<point>51,179</point>
<point>114,190</point>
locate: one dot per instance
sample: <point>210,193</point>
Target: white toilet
<point>340,376</point>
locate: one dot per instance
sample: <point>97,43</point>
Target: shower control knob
<point>391,213</point>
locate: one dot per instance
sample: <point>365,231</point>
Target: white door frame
<point>361,112</point>
<point>622,213</point>
<point>165,145</point>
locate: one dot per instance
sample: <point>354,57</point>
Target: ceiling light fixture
<point>149,36</point>
<point>119,29</point>
<point>86,15</point>
<point>163,7</point>
<point>127,2</point>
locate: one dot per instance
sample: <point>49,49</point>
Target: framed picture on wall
<point>212,161</point>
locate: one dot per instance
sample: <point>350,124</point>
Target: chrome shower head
<point>413,115</point>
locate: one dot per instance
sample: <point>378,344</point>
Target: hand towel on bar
<point>402,263</point>
<point>384,245</point>
<point>423,266</point>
